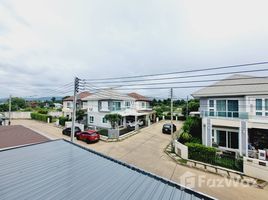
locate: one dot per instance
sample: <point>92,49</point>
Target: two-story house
<point>67,108</point>
<point>234,114</point>
<point>134,108</point>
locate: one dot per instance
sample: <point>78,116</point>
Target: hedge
<point>208,155</point>
<point>62,120</point>
<point>201,153</point>
<point>103,132</point>
<point>41,117</point>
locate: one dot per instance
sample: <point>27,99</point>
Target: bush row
<point>201,153</point>
<point>62,120</point>
<point>41,117</point>
<point>208,155</point>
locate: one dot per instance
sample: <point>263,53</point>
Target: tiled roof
<point>138,97</point>
<point>17,135</point>
<point>235,85</point>
<point>79,96</point>
<point>62,170</point>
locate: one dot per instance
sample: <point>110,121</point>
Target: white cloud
<point>50,41</point>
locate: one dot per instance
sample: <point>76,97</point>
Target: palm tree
<point>113,119</point>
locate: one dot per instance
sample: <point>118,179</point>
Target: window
<point>127,104</point>
<point>69,104</point>
<point>233,140</point>
<point>91,119</point>
<point>213,136</point>
<point>258,104</point>
<point>232,108</point>
<point>227,139</point>
<point>211,112</point>
<point>266,104</point>
<point>221,138</point>
<point>259,113</point>
<point>116,105</point>
<point>143,104</point>
<point>221,108</point>
<point>211,103</point>
<point>104,120</point>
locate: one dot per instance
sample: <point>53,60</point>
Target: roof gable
<point>235,85</point>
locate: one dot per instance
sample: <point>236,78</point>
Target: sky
<point>44,44</point>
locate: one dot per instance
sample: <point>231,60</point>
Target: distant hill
<point>3,100</point>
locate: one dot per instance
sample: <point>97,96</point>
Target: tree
<point>80,115</point>
<point>18,103</point>
<point>113,119</point>
<point>193,105</point>
<point>53,99</point>
<point>3,107</point>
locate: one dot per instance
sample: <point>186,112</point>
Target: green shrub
<point>43,111</point>
<point>193,125</point>
<point>62,120</point>
<point>208,155</point>
<point>201,153</point>
<point>185,138</point>
<point>41,117</point>
<point>103,132</point>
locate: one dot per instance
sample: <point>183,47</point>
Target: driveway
<point>145,150</point>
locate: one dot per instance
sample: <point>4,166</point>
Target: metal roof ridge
<point>150,174</point>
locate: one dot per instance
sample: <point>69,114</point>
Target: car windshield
<point>166,126</point>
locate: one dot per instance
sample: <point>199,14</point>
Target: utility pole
<point>9,111</point>
<point>171,114</point>
<point>76,89</point>
<point>187,107</point>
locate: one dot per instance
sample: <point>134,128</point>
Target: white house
<point>234,115</point>
<point>134,108</point>
<point>68,103</point>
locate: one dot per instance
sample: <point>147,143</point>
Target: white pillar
<point>48,120</point>
<point>136,123</point>
<point>163,117</point>
<point>176,118</point>
<point>124,122</point>
<point>157,119</point>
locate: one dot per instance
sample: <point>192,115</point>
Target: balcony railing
<point>225,114</point>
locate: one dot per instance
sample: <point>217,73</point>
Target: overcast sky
<point>45,43</point>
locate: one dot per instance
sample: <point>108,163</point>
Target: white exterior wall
<point>98,120</point>
<point>140,107</point>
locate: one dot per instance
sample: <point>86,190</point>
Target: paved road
<point>145,150</point>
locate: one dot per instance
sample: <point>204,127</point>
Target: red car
<point>88,136</point>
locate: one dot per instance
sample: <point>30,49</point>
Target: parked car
<point>167,128</point>
<point>88,136</point>
<point>132,124</point>
<point>67,131</point>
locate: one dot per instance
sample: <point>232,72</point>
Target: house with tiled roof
<point>68,103</point>
<point>133,107</point>
<point>234,115</point>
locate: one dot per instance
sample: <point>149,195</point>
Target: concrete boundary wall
<point>18,115</point>
<point>181,150</point>
<point>256,168</point>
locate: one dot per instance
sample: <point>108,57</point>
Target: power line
<point>179,77</point>
<point>194,81</point>
<point>187,71</point>
<point>195,86</point>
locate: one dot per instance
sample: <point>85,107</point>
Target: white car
<point>133,124</point>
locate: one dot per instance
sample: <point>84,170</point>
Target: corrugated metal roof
<point>62,170</point>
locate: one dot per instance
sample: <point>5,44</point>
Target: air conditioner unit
<point>262,154</point>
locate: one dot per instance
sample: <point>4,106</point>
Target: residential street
<point>146,150</point>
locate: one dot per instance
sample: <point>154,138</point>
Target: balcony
<point>225,114</point>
